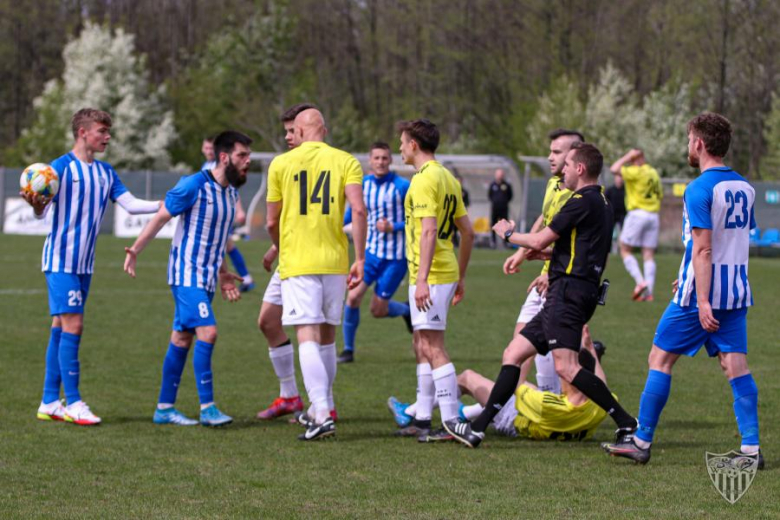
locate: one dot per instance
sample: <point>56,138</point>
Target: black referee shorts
<point>570,303</point>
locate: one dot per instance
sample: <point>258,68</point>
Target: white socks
<point>315,378</point>
<point>472,411</point>
<point>649,266</point>
<point>632,266</point>
<point>328,355</point>
<point>546,377</point>
<point>283,360</point>
<point>446,383</point>
<point>425,392</point>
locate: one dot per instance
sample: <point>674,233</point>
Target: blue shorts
<point>388,275</point>
<point>192,308</point>
<point>680,332</point>
<point>67,292</point>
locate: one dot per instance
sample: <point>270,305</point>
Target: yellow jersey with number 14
<point>643,188</point>
<point>309,181</point>
<point>434,192</point>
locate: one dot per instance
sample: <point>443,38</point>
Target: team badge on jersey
<point>731,473</point>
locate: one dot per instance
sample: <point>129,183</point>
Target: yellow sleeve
<point>354,171</point>
<point>425,203</point>
<point>629,173</point>
<point>274,189</point>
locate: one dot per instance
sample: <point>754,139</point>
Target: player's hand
<point>460,292</point>
<point>36,200</point>
<point>383,225</point>
<point>131,257</point>
<point>422,296</point>
<point>675,286</point>
<point>228,287</point>
<point>541,283</point>
<point>502,226</point>
<point>513,263</point>
<point>355,274</point>
<point>269,257</point>
<point>544,254</point>
<point>707,319</point>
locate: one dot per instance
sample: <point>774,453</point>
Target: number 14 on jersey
<point>319,195</point>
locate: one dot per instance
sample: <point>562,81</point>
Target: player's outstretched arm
<point>537,241</point>
<point>464,255</point>
<point>354,194</point>
<point>702,273</point>
<point>136,206</point>
<point>147,234</point>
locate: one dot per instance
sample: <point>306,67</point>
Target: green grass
<point>129,468</point>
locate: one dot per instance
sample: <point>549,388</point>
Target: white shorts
<point>640,229</point>
<point>434,318</point>
<point>504,421</point>
<point>273,292</point>
<point>313,299</point>
<point>532,306</point>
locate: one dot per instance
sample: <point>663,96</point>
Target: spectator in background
<point>499,194</point>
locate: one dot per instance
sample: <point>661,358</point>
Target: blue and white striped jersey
<point>384,198</point>
<point>77,211</point>
<point>722,200</point>
<point>206,212</point>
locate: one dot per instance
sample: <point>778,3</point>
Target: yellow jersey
<point>643,188</point>
<point>434,192</point>
<point>555,196</point>
<point>545,415</point>
<point>309,181</point>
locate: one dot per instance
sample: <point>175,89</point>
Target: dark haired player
<point>712,293</point>
<point>582,234</point>
<point>383,193</point>
<point>206,203</point>
<point>434,209</point>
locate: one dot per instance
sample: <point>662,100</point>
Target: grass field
<point>130,468</point>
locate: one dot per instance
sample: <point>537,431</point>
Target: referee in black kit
<point>582,236</point>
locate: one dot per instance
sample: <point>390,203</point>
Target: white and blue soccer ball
<point>40,178</point>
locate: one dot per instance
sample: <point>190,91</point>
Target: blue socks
<point>52,379</point>
<point>657,389</point>
<point>395,309</point>
<point>201,362</point>
<point>173,366</point>
<point>746,407</point>
<point>238,262</point>
<point>351,322</point>
<point>69,365</point>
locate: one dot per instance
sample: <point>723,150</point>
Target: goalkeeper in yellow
<point>536,414</point>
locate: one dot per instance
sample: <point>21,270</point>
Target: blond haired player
<point>434,209</point>
<point>640,227</point>
<point>307,190</point>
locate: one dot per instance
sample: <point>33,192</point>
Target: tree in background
<point>102,70</point>
<point>558,107</point>
<point>770,163</point>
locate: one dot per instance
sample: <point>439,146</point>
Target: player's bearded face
<point>236,175</point>
<point>693,156</point>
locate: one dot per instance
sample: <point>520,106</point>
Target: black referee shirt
<point>584,225</point>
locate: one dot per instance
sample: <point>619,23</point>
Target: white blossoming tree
<point>102,70</point>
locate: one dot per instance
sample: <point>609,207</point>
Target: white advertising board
<point>20,219</point>
<point>128,226</point>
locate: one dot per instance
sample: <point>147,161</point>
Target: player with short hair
<point>711,294</point>
<point>269,321</point>
<point>68,260</point>
<point>555,196</point>
<point>207,149</point>
<point>434,209</point>
<point>307,188</point>
<point>640,226</point>
<point>206,205</point>
<point>383,193</point>
<point>582,237</point>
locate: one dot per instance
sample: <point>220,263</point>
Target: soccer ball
<point>40,178</point>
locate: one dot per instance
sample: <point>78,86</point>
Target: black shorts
<point>569,305</point>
